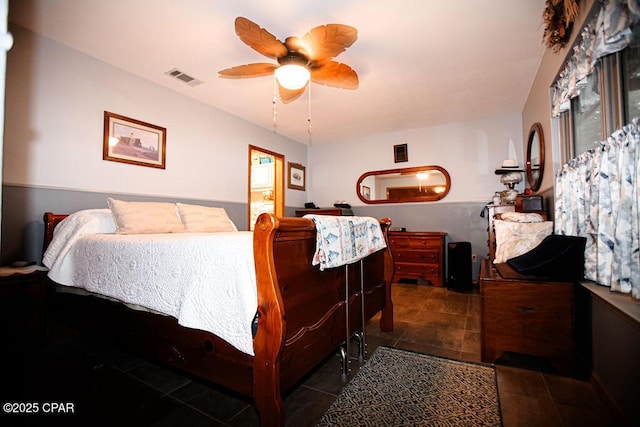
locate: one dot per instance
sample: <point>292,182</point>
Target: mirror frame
<point>405,199</point>
<point>534,184</point>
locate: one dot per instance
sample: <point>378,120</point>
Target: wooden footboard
<point>302,309</point>
<point>302,316</point>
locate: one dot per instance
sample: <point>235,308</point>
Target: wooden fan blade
<point>249,70</point>
<point>259,39</point>
<point>335,74</point>
<point>326,41</point>
<point>288,95</point>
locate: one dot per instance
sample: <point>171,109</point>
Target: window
<point>604,104</point>
<point>586,116</point>
<point>631,78</point>
<point>597,91</point>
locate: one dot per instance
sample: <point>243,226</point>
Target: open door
<point>266,183</point>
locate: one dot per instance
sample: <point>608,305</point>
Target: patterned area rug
<point>401,388</point>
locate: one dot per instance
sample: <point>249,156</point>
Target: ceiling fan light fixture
<point>292,76</point>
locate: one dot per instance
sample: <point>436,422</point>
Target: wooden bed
<point>301,316</point>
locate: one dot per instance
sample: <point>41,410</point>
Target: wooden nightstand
<point>418,255</point>
<point>22,312</point>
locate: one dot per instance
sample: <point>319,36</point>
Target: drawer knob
<point>525,309</point>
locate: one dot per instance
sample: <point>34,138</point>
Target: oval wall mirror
<point>418,184</point>
<point>535,157</point>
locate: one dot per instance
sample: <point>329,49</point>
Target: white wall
<point>6,41</point>
<point>469,151</point>
<point>56,100</point>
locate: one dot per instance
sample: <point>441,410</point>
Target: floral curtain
<point>598,197</point>
<point>608,32</point>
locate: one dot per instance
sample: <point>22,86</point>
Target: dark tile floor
<point>109,387</point>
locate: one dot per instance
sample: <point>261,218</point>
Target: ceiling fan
<point>310,56</point>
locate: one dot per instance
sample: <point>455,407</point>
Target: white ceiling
<point>420,62</point>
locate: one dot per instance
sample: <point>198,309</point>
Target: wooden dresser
<point>526,316</point>
<point>418,255</point>
<point>325,211</point>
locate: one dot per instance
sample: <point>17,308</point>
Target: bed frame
<point>301,316</point>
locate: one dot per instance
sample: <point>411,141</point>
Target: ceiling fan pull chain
<point>309,116</point>
<point>274,102</point>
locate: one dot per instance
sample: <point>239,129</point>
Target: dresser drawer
<point>425,242</point>
<point>398,242</point>
<point>550,300</point>
<point>418,270</point>
<point>428,257</point>
<point>409,240</point>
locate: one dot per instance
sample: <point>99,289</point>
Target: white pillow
<point>205,219</point>
<point>516,238</point>
<point>145,217</point>
<point>521,217</point>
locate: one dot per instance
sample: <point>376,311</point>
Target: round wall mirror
<point>418,184</point>
<point>535,157</point>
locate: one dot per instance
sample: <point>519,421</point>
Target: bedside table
<point>22,309</point>
<point>418,255</point>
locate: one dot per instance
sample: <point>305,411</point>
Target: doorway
<point>266,183</point>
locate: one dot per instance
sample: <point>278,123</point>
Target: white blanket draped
<point>344,240</point>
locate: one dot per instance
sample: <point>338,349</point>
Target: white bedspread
<point>205,280</point>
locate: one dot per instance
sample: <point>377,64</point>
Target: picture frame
<point>297,176</point>
<point>400,153</point>
<point>132,141</point>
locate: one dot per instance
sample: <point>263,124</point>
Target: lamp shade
<point>292,76</point>
<point>511,178</point>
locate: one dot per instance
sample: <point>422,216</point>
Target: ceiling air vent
<point>184,78</point>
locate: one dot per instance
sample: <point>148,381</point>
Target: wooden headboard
<point>50,222</point>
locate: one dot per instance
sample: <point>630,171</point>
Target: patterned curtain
<point>608,32</point>
<point>598,197</point>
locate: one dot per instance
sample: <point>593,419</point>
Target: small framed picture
<point>132,141</point>
<point>296,176</point>
<point>400,153</point>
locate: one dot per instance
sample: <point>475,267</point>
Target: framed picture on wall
<point>400,153</point>
<point>132,141</point>
<point>296,176</point>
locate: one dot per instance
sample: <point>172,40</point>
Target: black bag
<point>556,257</point>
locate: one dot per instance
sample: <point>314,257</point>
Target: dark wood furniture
<point>22,312</point>
<point>418,255</point>
<point>301,317</point>
<point>524,315</point>
<point>324,211</point>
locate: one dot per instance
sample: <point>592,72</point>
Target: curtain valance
<point>610,31</point>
